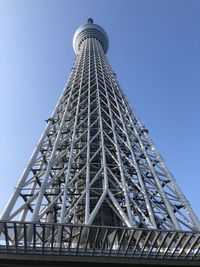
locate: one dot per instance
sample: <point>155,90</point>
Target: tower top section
<point>90,30</point>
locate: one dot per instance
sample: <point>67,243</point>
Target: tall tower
<point>95,181</point>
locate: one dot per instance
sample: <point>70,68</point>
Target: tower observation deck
<point>95,188</point>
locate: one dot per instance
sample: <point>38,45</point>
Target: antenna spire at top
<point>90,21</point>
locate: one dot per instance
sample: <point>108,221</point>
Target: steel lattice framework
<point>95,166</point>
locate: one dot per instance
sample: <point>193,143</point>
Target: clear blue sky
<point>154,50</point>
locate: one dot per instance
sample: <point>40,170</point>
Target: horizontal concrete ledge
<point>8,260</point>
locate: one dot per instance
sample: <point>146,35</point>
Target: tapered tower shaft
<point>95,187</point>
<point>95,163</point>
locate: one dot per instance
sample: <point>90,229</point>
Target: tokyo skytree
<point>95,185</point>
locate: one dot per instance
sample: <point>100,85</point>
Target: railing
<point>62,239</point>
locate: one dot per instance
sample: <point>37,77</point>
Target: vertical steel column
<point>125,189</point>
<point>105,184</point>
<point>87,183</point>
